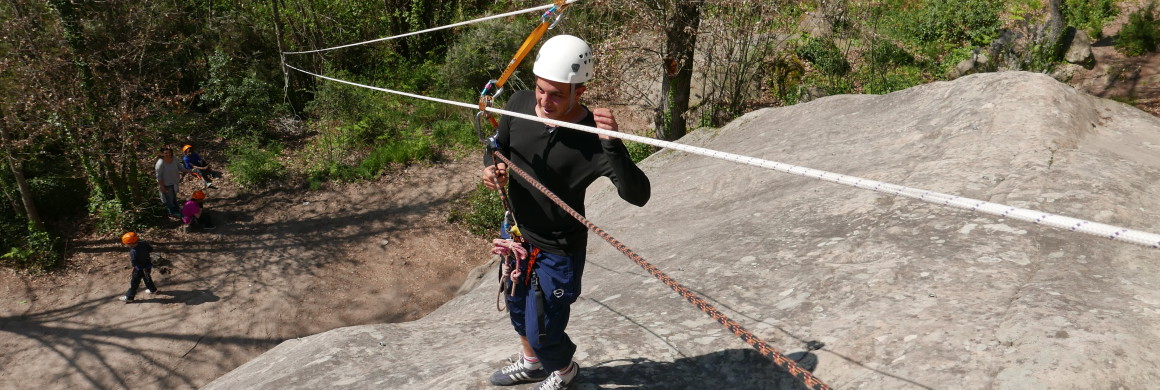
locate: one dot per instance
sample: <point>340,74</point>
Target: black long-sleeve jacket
<point>566,161</point>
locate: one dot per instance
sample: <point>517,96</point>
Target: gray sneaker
<point>560,382</point>
<point>125,299</point>
<point>518,372</point>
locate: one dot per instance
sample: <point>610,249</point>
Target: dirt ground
<point>280,265</point>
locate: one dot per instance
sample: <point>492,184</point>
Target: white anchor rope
<point>485,18</point>
<point>1111,232</point>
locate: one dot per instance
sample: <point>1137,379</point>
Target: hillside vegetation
<point>89,91</point>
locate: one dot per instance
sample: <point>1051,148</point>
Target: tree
<point>680,32</point>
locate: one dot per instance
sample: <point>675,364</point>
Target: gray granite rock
<point>904,294</point>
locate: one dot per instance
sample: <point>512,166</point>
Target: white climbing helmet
<point>564,59</point>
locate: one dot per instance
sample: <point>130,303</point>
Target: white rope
<point>1111,232</point>
<point>486,18</point>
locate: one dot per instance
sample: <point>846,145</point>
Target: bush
<point>953,21</point>
<point>416,147</point>
<point>37,254</point>
<point>253,165</point>
<point>1141,34</point>
<point>241,102</point>
<point>1089,15</point>
<point>481,212</point>
<point>481,54</point>
<point>884,53</point>
<point>638,151</point>
<point>824,54</point>
<point>893,80</point>
<point>108,214</point>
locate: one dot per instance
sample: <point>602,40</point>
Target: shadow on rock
<point>739,369</point>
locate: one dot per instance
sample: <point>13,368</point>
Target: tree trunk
<point>681,42</point>
<point>281,53</point>
<point>22,185</point>
<point>4,187</point>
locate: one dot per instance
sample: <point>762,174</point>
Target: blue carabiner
<point>551,11</point>
<point>487,87</point>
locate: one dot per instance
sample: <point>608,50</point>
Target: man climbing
<point>566,161</point>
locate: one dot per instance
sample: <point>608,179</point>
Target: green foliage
<point>972,21</point>
<point>638,151</point>
<point>481,212</point>
<point>108,214</point>
<point>36,255</point>
<point>240,100</point>
<point>481,54</point>
<point>254,164</point>
<point>824,54</point>
<point>415,147</point>
<point>1019,9</point>
<point>455,133</point>
<point>1089,15</point>
<point>885,53</point>
<point>895,79</point>
<point>952,58</point>
<point>1141,34</point>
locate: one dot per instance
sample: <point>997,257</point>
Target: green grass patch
<point>255,165</point>
<point>481,212</point>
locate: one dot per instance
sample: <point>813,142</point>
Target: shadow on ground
<point>738,369</point>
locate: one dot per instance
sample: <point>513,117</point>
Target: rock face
<point>904,294</point>
<point>1080,50</point>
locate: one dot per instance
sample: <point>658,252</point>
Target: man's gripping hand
<point>605,120</point>
<point>494,178</point>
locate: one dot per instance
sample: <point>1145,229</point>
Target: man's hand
<point>495,178</point>
<point>605,120</point>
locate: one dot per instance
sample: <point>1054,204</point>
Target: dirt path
<point>280,265</point>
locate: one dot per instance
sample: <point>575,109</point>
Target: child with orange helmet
<point>194,212</point>
<point>194,163</point>
<point>139,253</point>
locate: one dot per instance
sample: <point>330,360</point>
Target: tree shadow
<point>64,334</point>
<point>738,369</point>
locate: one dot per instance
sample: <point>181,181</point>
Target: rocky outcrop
<point>904,294</point>
<point>977,62</point>
<point>1079,50</point>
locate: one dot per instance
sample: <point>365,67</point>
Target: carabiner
<point>485,99</point>
<point>553,10</point>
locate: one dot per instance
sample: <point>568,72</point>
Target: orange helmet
<point>129,238</point>
<point>198,195</point>
<point>186,148</point>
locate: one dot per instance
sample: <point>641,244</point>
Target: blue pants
<point>539,310</point>
<point>169,197</point>
<point>140,274</point>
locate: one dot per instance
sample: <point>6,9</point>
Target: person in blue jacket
<point>139,257</point>
<point>194,163</point>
